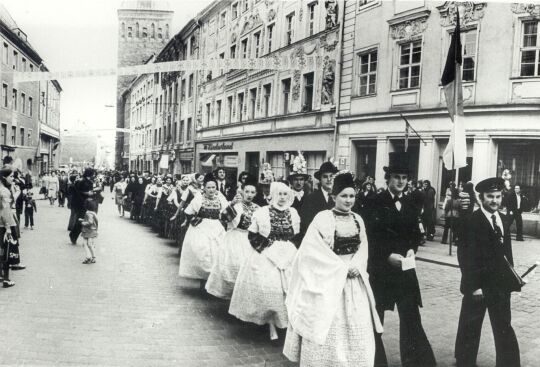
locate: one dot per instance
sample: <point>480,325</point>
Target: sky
<point>80,34</point>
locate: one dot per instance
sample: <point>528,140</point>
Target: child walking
<point>89,231</point>
<point>29,210</point>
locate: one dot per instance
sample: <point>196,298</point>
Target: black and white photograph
<point>270,183</point>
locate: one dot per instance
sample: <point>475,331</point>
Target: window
<point>30,106</point>
<point>530,50</point>
<point>23,103</point>
<point>183,90</point>
<point>153,32</point>
<point>234,10</point>
<point>130,32</point>
<point>267,92</point>
<point>14,100</point>
<point>270,35</point>
<point>181,132</point>
<point>229,109</point>
<point>155,136</point>
<point>190,86</point>
<point>208,114</point>
<point>289,31</point>
<point>137,30</point>
<point>160,33</point>
<point>5,55</point>
<point>156,106</point>
<point>308,92</point>
<point>192,46</point>
<point>23,64</point>
<point>160,104</point>
<point>221,56</point>
<point>13,135</point>
<point>22,136</point>
<point>4,95</point>
<point>410,56</point>
<point>159,136</point>
<point>223,19</point>
<point>29,137</point>
<point>244,48</point>
<point>31,68</point>
<point>4,134</point>
<point>468,41</point>
<point>365,3</point>
<point>252,103</point>
<point>246,6</point>
<point>256,43</point>
<point>232,54</point>
<point>144,32</point>
<point>15,60</point>
<point>286,92</point>
<point>311,18</point>
<point>189,128</point>
<point>367,73</point>
<point>218,112</point>
<point>240,105</point>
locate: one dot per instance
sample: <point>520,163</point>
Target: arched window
<point>137,30</point>
<point>123,29</point>
<point>153,31</point>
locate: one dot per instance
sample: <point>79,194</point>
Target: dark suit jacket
<point>481,256</point>
<point>297,204</point>
<point>511,203</point>
<point>312,205</point>
<point>392,231</point>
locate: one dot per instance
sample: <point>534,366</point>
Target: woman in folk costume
<point>236,247</point>
<point>119,191</point>
<point>330,303</point>
<point>196,181</point>
<point>149,203</point>
<point>162,206</point>
<point>53,185</point>
<point>175,199</point>
<point>205,233</point>
<point>261,285</point>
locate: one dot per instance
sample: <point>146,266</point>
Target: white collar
<point>497,218</point>
<point>393,196</point>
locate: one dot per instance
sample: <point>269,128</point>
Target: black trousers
<point>5,260</point>
<point>414,346</point>
<point>77,227</point>
<point>61,198</point>
<point>519,224</point>
<point>471,319</point>
<point>29,217</point>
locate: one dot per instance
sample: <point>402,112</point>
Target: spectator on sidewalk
<point>451,215</point>
<point>9,246</point>
<point>428,216</point>
<point>89,230</point>
<point>63,188</point>
<point>517,203</point>
<point>29,209</point>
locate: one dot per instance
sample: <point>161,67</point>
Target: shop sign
<point>219,146</point>
<point>186,156</point>
<point>230,161</point>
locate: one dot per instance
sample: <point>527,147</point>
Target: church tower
<point>144,28</point>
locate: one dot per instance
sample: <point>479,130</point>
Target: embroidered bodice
<point>210,208</point>
<point>281,227</point>
<point>347,233</point>
<point>247,215</point>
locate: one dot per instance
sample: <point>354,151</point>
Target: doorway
<point>252,163</point>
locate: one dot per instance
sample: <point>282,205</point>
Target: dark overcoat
<point>312,205</point>
<point>481,255</point>
<point>392,231</point>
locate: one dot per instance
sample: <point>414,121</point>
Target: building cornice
<point>264,135</point>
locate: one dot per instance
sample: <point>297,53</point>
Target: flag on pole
<point>451,82</point>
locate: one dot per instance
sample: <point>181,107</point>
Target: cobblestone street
<point>129,308</point>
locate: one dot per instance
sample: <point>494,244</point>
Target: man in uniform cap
<point>484,255</point>
<point>319,199</point>
<point>394,234</point>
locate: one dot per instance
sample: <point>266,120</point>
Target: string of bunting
<point>269,63</point>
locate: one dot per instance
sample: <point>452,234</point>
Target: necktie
<point>496,227</point>
<point>222,189</point>
<point>330,202</point>
<point>397,202</point>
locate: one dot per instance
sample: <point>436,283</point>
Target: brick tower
<point>143,30</point>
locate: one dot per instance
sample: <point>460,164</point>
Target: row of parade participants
<point>289,260</point>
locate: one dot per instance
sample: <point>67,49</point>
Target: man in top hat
<point>394,234</point>
<point>483,256</point>
<point>319,199</point>
<point>298,179</point>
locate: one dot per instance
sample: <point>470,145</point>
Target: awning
<point>209,161</point>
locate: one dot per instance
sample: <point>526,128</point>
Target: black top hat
<point>398,163</point>
<point>490,184</point>
<point>326,167</point>
<point>296,174</point>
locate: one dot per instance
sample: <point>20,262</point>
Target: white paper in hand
<point>408,263</point>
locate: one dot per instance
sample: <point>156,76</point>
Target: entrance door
<point>252,163</point>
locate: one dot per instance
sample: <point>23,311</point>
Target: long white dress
<point>261,286</point>
<point>233,253</point>
<point>202,240</point>
<point>332,317</point>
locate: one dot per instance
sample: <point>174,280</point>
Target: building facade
<point>29,111</point>
<point>143,31</point>
<point>245,118</point>
<point>393,58</point>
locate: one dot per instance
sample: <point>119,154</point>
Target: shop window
<point>410,57</point>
